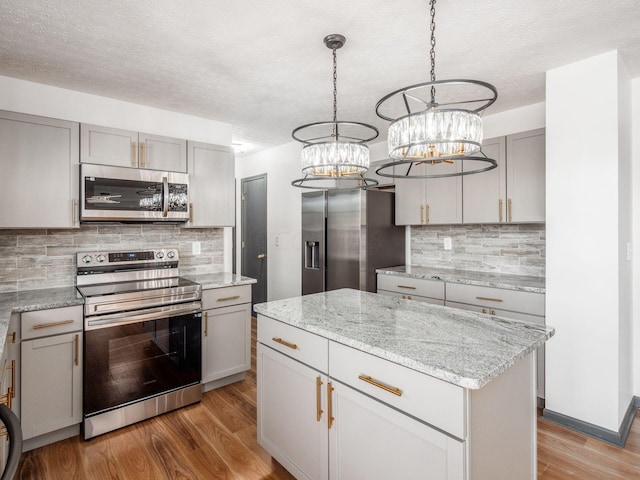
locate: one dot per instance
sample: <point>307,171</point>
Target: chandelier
<point>334,155</point>
<point>436,123</point>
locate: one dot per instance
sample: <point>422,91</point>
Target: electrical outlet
<point>447,243</point>
<point>195,248</point>
<point>277,240</point>
<point>629,251</point>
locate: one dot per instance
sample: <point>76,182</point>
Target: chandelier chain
<point>432,53</point>
<point>335,85</point>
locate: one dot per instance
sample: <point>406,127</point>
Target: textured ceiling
<point>261,64</point>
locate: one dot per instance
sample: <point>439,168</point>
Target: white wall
<point>585,163</point>
<point>284,217</point>
<point>635,115</point>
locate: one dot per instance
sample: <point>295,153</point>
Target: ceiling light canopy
<point>335,154</point>
<point>436,122</point>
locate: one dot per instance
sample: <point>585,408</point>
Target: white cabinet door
<point>108,146</point>
<point>484,194</point>
<point>51,383</point>
<point>162,153</point>
<point>212,185</point>
<point>369,441</point>
<point>443,195</point>
<point>526,176</point>
<point>292,424</point>
<point>39,165</point>
<point>226,342</point>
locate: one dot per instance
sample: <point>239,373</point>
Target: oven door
<point>127,362</point>
<point>125,194</point>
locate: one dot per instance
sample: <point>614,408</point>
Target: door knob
<point>261,256</point>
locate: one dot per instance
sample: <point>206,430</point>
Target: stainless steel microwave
<point>119,194</point>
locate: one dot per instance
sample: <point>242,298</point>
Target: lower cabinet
<point>9,385</point>
<point>51,366</point>
<point>319,428</point>
<point>418,289</point>
<point>226,334</point>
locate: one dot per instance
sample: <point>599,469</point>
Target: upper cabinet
<point>124,148</point>
<point>430,201</point>
<point>39,165</point>
<point>513,192</point>
<point>212,185</point>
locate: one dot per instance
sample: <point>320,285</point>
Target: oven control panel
<point>148,257</point>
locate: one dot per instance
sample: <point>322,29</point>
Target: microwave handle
<point>165,197</point>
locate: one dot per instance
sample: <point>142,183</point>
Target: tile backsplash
<point>511,249</point>
<point>44,258</point>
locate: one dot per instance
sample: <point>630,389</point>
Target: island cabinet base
<point>329,411</point>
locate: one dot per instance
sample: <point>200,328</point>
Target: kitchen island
<point>357,385</point>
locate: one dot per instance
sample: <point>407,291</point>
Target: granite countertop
<point>32,300</point>
<point>523,283</point>
<point>219,280</point>
<point>464,348</point>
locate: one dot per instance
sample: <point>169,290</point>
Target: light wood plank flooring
<point>217,440</point>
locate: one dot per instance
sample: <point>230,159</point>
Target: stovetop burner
<point>99,290</point>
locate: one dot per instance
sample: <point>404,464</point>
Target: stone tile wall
<point>33,259</point>
<point>511,249</point>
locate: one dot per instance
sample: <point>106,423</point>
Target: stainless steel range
<point>142,341</point>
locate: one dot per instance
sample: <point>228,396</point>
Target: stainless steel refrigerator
<point>346,236</point>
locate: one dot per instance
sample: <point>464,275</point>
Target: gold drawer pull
<point>406,286</point>
<point>191,213</point>
<point>206,324</point>
<point>330,417</point>
<point>510,209</point>
<point>368,379</point>
<point>226,299</point>
<point>77,341</point>
<point>292,346</point>
<point>134,154</point>
<point>500,208</point>
<point>12,337</point>
<point>52,324</point>
<point>489,299</point>
<point>318,398</point>
<point>12,389</point>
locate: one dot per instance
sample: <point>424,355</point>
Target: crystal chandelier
<point>334,155</point>
<point>436,122</point>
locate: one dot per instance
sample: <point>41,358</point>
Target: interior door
<point>254,235</point>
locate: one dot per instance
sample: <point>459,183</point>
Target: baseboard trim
<point>616,438</point>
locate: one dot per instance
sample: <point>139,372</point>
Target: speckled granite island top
<point>523,283</point>
<point>464,348</point>
<point>32,300</point>
<point>219,280</point>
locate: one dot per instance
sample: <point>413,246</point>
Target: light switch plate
<point>447,243</point>
<point>195,248</point>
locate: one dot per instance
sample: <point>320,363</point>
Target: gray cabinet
<point>125,148</point>
<point>515,191</point>
<point>431,201</point>
<point>212,185</point>
<point>51,361</point>
<point>38,161</point>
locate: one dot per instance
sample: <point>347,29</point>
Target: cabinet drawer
<point>223,297</point>
<point>44,323</point>
<point>497,298</point>
<point>411,286</point>
<point>294,342</point>
<point>411,296</point>
<point>437,403</point>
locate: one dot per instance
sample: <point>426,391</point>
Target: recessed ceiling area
<point>262,66</point>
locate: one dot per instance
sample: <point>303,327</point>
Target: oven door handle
<point>148,314</point>
<point>165,196</point>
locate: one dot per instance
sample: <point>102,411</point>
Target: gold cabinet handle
<point>226,299</point>
<point>375,383</point>
<point>52,324</point>
<point>292,346</point>
<point>426,208</point>
<point>319,411</point>
<point>191,213</point>
<point>421,214</point>
<point>6,399</point>
<point>406,286</point>
<point>143,154</point>
<point>509,209</point>
<point>493,312</point>
<point>77,348</point>
<point>330,417</point>
<point>13,338</point>
<point>12,388</point>
<point>489,299</point>
<point>134,154</point>
<point>261,256</point>
<point>500,205</point>
<point>484,310</point>
<point>206,324</point>
<point>408,297</point>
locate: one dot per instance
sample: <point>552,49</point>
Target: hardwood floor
<point>217,440</point>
